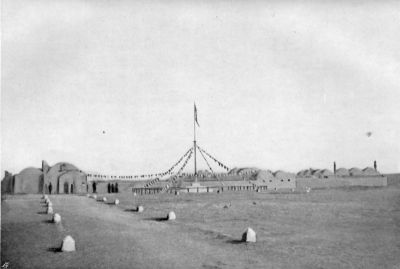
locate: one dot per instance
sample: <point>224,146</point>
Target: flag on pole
<point>195,115</point>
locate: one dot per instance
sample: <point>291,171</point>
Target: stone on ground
<point>56,218</point>
<point>116,202</point>
<point>104,199</point>
<point>171,216</point>
<point>140,209</point>
<point>249,235</point>
<point>94,196</point>
<point>68,244</point>
<point>49,210</point>
<point>134,194</point>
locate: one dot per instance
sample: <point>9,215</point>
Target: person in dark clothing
<point>116,187</point>
<point>50,188</point>
<point>94,187</point>
<point>112,187</point>
<point>108,187</point>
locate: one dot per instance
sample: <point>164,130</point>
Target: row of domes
<point>368,171</point>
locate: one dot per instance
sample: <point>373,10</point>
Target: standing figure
<point>94,187</point>
<point>108,187</point>
<point>116,187</point>
<point>50,188</point>
<point>375,166</point>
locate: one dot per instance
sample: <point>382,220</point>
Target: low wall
<point>336,182</point>
<point>393,179</point>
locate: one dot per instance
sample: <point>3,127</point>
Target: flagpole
<point>194,141</point>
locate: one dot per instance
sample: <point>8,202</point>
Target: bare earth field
<point>340,228</point>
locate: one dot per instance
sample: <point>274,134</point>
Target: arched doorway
<point>66,187</point>
<point>94,187</point>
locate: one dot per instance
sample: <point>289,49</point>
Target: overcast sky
<point>278,84</point>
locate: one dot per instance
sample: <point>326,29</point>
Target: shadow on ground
<point>157,219</point>
<point>54,249</point>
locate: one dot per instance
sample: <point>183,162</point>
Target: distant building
<point>60,178</point>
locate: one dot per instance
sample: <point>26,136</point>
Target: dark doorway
<point>66,188</point>
<point>72,188</point>
<point>94,187</point>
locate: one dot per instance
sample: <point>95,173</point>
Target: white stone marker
<point>56,218</point>
<point>104,199</point>
<point>116,202</point>
<point>140,209</point>
<point>249,235</point>
<point>94,196</point>
<point>68,244</point>
<point>49,210</point>
<point>134,194</point>
<point>171,216</point>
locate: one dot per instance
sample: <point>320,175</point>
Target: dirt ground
<point>340,228</point>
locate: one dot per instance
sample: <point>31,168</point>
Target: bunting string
<point>220,164</point>
<point>173,179</point>
<point>154,178</point>
<point>95,176</point>
<point>205,160</point>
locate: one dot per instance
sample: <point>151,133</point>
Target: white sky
<point>278,84</point>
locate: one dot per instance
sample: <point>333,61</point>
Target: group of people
<point>111,188</point>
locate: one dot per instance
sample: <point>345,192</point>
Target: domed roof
<point>322,173</point>
<point>306,172</point>
<point>31,171</point>
<point>233,171</point>
<point>326,172</point>
<point>264,174</point>
<point>247,170</point>
<point>302,172</point>
<point>355,171</point>
<point>283,174</point>
<point>67,166</point>
<point>342,172</point>
<point>243,170</point>
<point>62,166</point>
<point>316,172</point>
<point>369,171</point>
